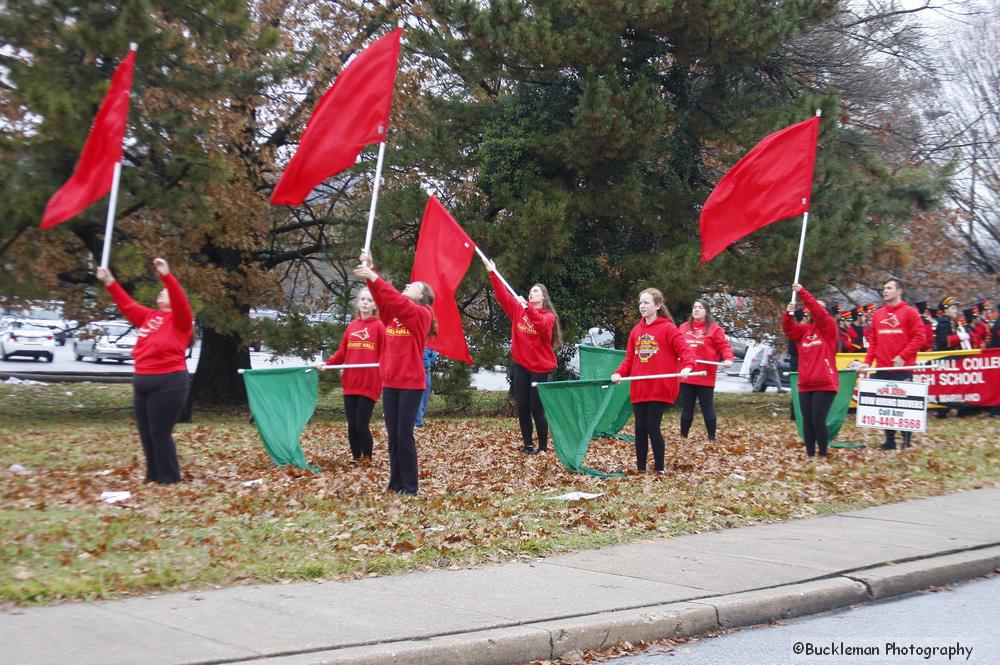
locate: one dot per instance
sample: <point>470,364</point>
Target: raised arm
<point>130,309</point>
<point>511,306</point>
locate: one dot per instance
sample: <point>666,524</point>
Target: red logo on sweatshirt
<point>811,340</point>
<point>646,347</point>
<point>151,325</point>
<point>361,334</point>
<point>893,323</point>
<point>698,336</point>
<point>525,326</point>
<point>397,329</point>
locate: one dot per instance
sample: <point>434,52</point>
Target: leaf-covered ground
<point>481,499</point>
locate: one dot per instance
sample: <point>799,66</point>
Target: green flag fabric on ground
<point>838,410</point>
<point>573,409</point>
<point>282,401</point>
<point>599,363</point>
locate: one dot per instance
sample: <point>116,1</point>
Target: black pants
<point>648,416</point>
<point>890,434</point>
<point>400,407</point>
<point>358,410</point>
<point>705,395</point>
<point>529,406</point>
<point>158,400</point>
<point>815,406</point>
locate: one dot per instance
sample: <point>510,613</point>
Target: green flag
<point>282,400</point>
<point>598,363</point>
<point>838,410</point>
<point>573,409</point>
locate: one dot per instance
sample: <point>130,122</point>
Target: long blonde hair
<point>557,338</point>
<point>357,312</point>
<point>427,298</point>
<point>661,305</point>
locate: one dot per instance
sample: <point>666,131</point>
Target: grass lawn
<point>481,499</point>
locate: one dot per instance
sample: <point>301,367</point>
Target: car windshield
<point>24,325</point>
<point>43,314</point>
<point>116,330</point>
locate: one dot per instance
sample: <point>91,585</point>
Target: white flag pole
<point>650,376</point>
<point>802,246</point>
<point>371,210</point>
<point>109,223</point>
<point>802,237</point>
<point>504,281</point>
<point>378,180</point>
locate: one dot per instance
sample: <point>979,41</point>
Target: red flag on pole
<point>92,176</point>
<point>351,114</point>
<point>444,252</point>
<point>772,182</point>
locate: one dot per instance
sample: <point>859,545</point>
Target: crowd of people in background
<point>948,326</point>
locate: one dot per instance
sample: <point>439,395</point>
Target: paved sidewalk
<point>511,613</point>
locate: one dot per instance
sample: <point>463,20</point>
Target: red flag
<point>351,114</point>
<point>92,176</point>
<point>772,182</point>
<point>444,253</point>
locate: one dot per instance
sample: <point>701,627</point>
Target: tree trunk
<point>216,381</point>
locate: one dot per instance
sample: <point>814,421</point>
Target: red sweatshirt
<point>980,335</point>
<point>654,348</point>
<point>361,344</point>
<point>817,346</point>
<point>711,345</point>
<point>401,364</point>
<point>531,332</point>
<point>163,336</point>
<point>896,331</point>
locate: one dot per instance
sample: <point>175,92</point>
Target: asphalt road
<point>899,631</point>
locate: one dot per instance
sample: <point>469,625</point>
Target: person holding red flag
<point>816,338</point>
<point>708,342</point>
<point>160,380</point>
<point>409,323</point>
<point>654,347</point>
<point>361,344</point>
<point>897,333</point>
<point>535,334</point>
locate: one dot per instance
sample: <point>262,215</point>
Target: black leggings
<point>358,410</point>
<point>890,434</point>
<point>648,416</point>
<point>706,397</point>
<point>529,406</point>
<point>158,400</point>
<point>815,406</point>
<point>400,407</point>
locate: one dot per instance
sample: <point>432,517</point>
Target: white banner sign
<point>898,405</point>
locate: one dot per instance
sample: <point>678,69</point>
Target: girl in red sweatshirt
<point>361,345</point>
<point>160,380</point>
<point>708,342</point>
<point>534,336</point>
<point>816,338</point>
<point>654,347</point>
<point>409,323</point>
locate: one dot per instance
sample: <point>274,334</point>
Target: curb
<point>552,639</point>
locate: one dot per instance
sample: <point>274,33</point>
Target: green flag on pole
<point>282,401</point>
<point>573,409</point>
<point>841,403</point>
<point>598,363</point>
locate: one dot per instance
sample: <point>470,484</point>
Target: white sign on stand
<point>895,405</point>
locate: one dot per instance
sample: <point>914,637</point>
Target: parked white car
<point>106,340</point>
<point>22,338</point>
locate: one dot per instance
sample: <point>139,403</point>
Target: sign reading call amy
<point>899,405</point>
